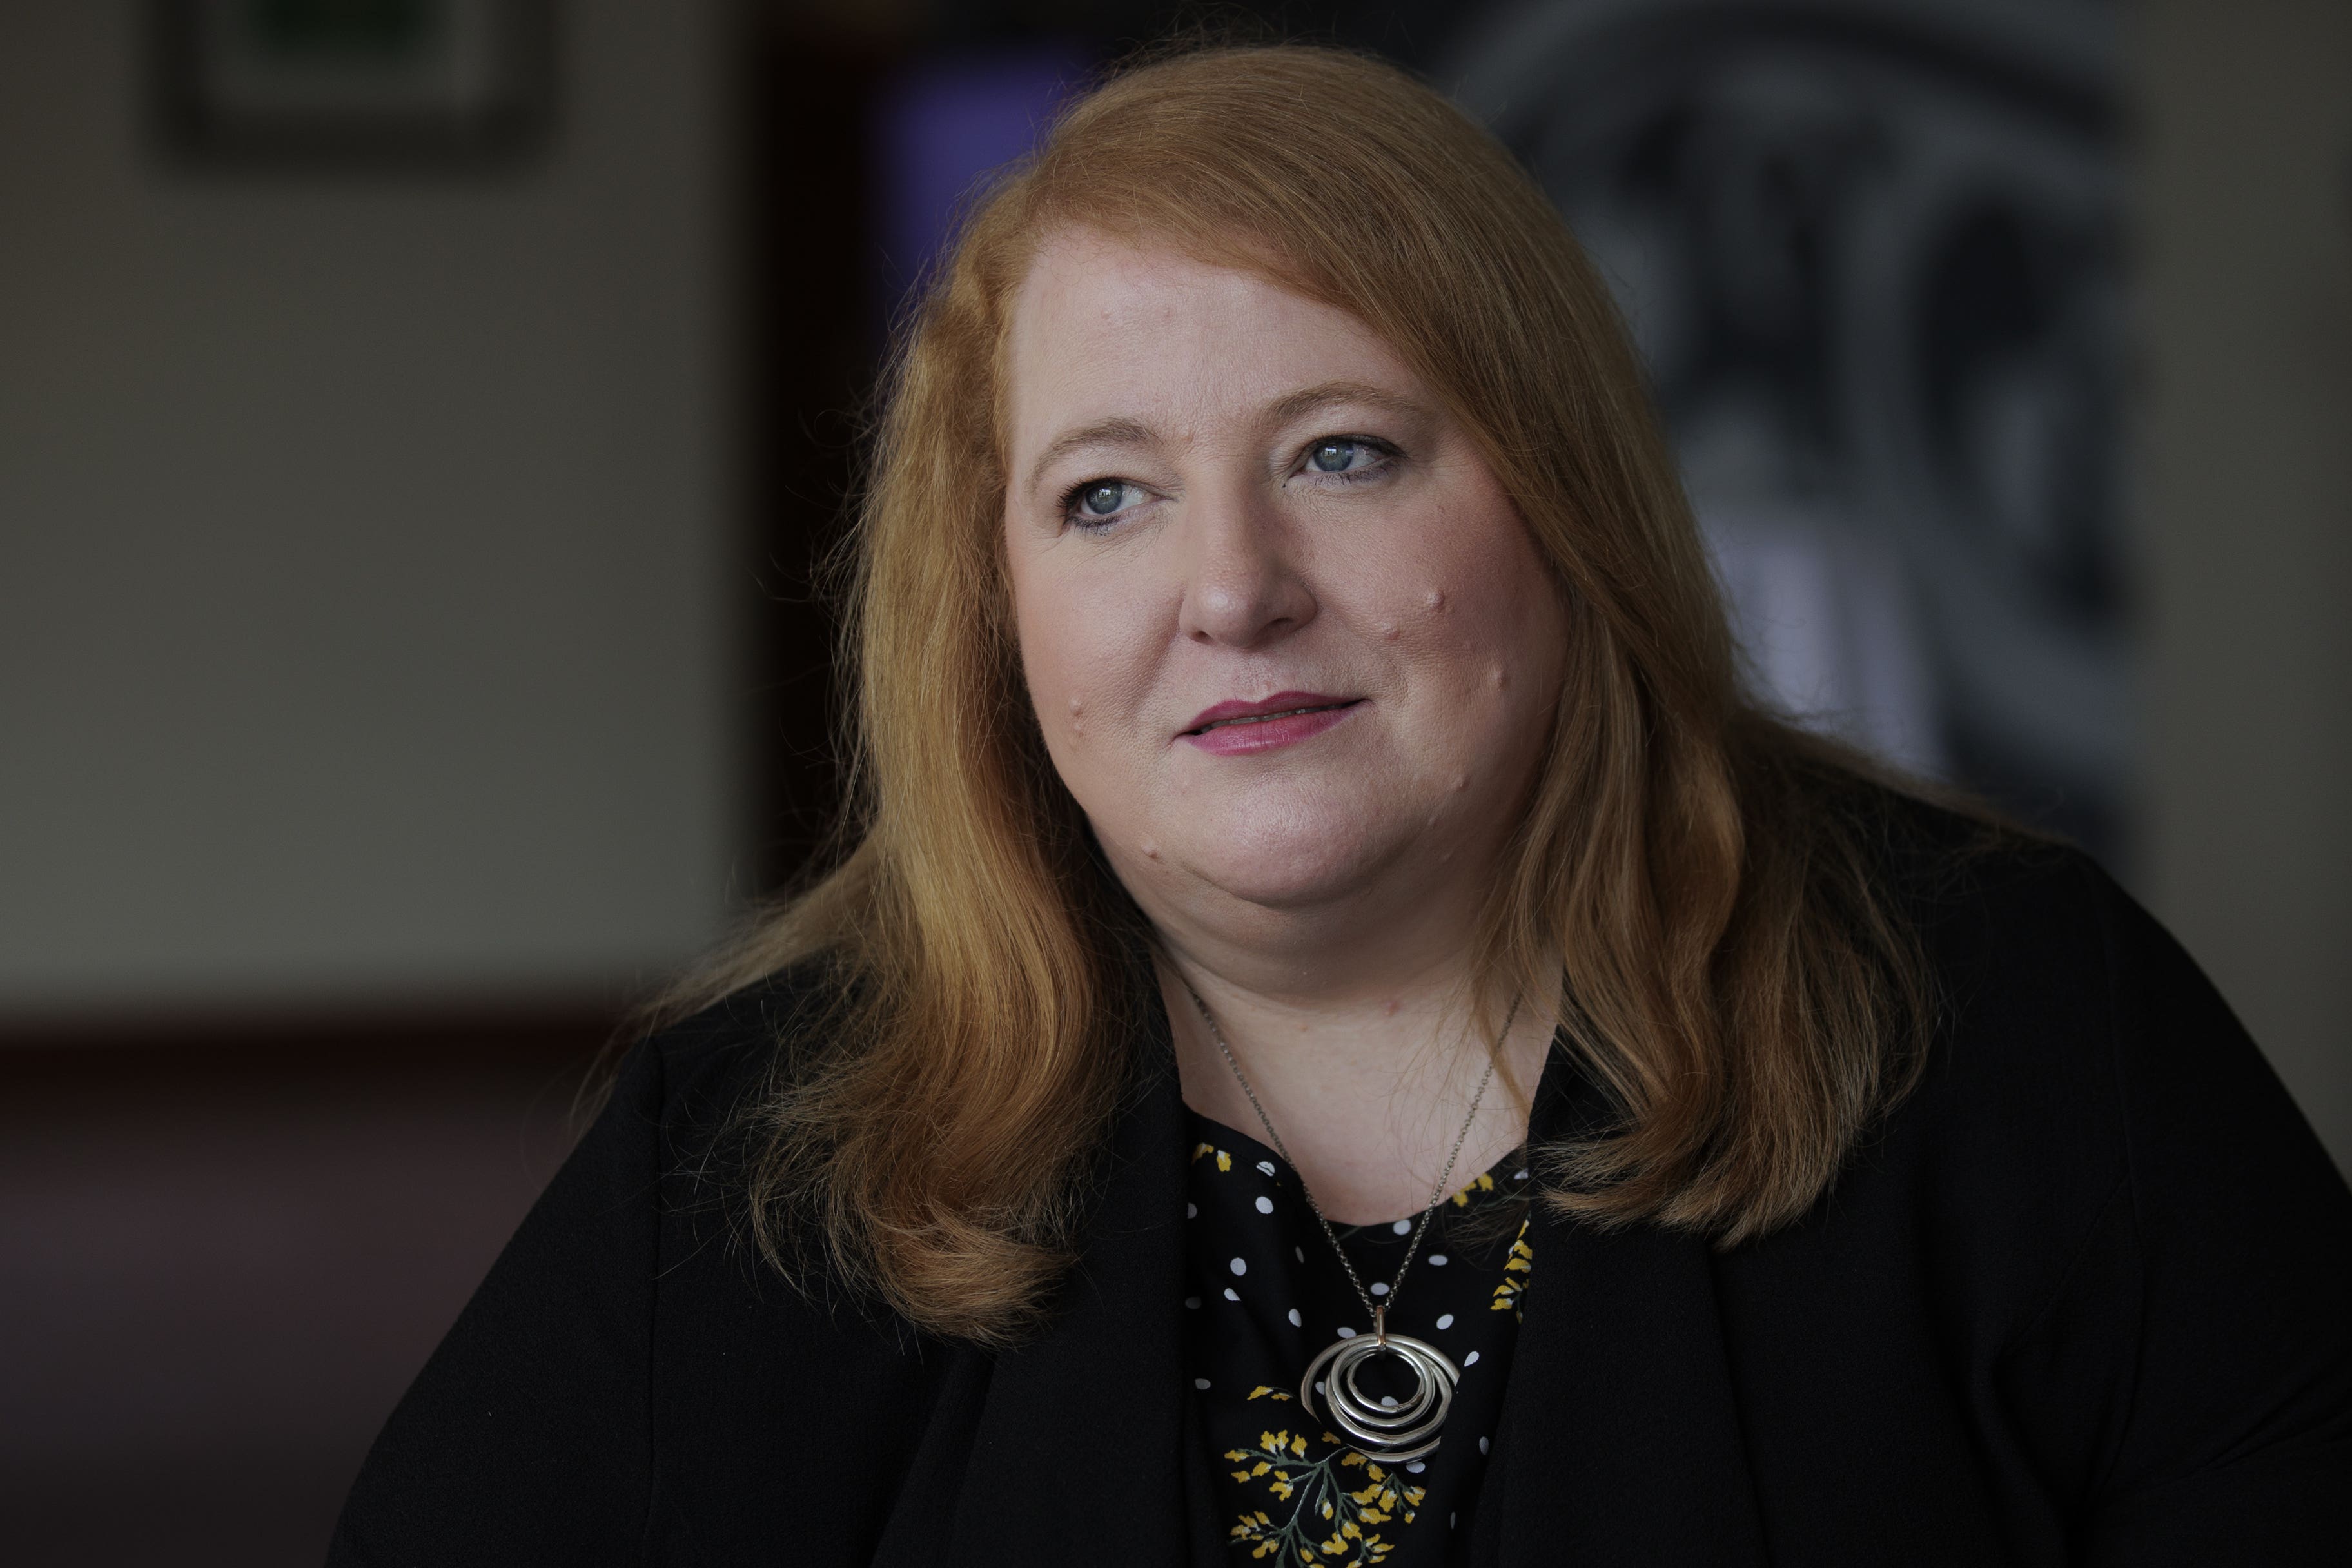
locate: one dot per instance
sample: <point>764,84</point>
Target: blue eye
<point>1333,456</point>
<point>1102,496</point>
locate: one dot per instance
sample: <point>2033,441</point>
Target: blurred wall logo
<point>1868,248</point>
<point>369,34</point>
<point>353,81</point>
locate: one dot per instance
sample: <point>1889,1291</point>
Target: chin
<point>1297,864</point>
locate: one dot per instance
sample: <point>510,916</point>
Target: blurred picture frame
<point>353,83</point>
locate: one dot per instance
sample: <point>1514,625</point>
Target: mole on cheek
<point>1434,600</point>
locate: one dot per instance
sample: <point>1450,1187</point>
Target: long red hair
<point>1701,872</point>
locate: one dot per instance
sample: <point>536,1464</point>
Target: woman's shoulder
<point>1986,900</point>
<point>1996,905</point>
<point>688,1079</point>
<point>2098,1205</point>
<point>2039,965</point>
<point>2081,1063</point>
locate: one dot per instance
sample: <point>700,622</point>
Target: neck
<point>1368,1080</point>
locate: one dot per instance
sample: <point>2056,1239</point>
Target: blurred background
<point>418,419</point>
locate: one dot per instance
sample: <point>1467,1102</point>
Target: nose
<point>1242,588</point>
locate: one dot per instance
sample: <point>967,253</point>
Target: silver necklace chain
<point>1377,1312</point>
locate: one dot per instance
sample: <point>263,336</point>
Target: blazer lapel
<point>1080,1452</point>
<point>1620,1438</point>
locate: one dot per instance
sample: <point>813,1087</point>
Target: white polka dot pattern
<point>1245,1353</point>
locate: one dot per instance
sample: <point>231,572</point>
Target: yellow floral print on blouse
<point>1484,1184</point>
<point>1300,1495</point>
<point>1330,1518</point>
<point>1516,1269</point>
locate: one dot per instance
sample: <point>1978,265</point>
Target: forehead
<point>1101,327</point>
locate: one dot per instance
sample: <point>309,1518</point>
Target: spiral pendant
<point>1394,1432</point>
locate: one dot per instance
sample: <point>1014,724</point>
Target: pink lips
<point>1283,719</point>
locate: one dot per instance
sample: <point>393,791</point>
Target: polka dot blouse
<point>1264,1294</point>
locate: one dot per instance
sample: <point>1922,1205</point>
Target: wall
<point>363,546</point>
<point>2246,465</point>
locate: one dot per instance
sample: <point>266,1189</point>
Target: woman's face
<point>1289,641</point>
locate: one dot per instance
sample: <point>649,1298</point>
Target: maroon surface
<point>221,1262</point>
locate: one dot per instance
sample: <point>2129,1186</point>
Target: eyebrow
<point>1285,410</point>
<point>1297,406</point>
<point>1102,432</point>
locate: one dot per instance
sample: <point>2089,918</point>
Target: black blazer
<point>2085,1298</point>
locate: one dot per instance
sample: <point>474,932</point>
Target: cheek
<point>1478,609</point>
<point>1521,626</point>
<point>1052,660</point>
<point>1081,658</point>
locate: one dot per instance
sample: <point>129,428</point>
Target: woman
<point>1342,1038</point>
